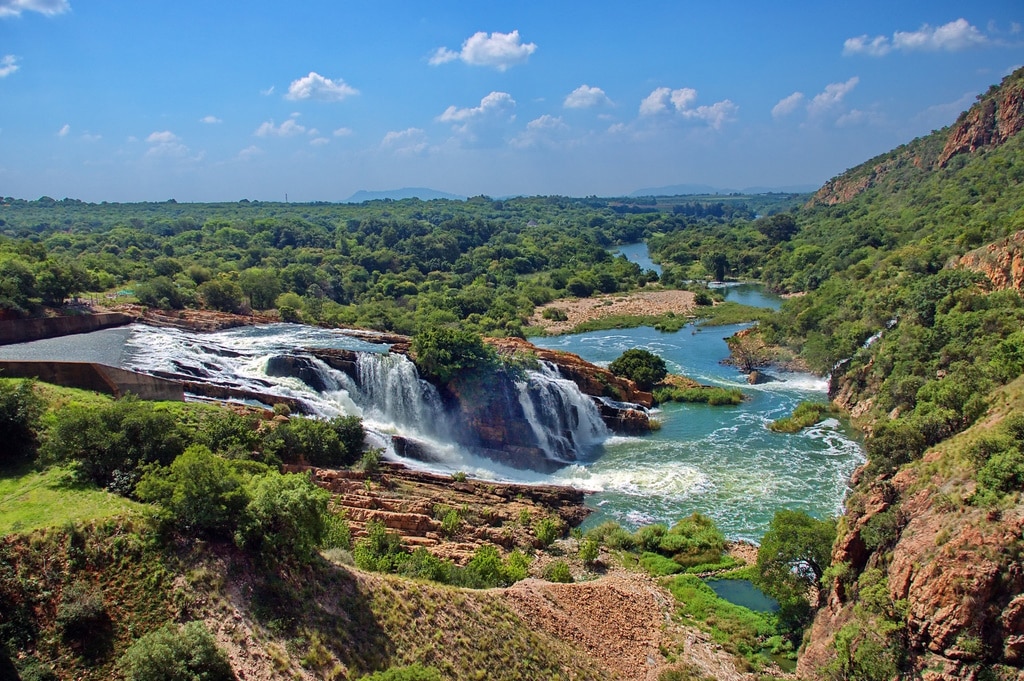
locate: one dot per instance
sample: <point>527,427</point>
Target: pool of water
<point>743,592</point>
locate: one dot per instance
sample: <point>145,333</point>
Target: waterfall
<point>565,422</point>
<point>542,419</point>
<point>393,392</point>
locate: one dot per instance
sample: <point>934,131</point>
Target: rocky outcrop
<point>1002,262</point>
<point>952,570</point>
<point>995,118</point>
<point>591,379</point>
<point>998,116</point>
<point>413,505</point>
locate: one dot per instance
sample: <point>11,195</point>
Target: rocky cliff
<point>996,117</point>
<point>1001,262</point>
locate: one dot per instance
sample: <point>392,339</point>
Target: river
<point>721,461</point>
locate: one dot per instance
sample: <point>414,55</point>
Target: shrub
<point>379,550</point>
<point>81,614</point>
<point>640,366</point>
<point>330,443</point>
<point>612,535</point>
<point>20,409</point>
<point>413,672</point>
<point>284,516</point>
<point>174,653</point>
<point>1003,472</point>
<point>337,533</point>
<point>444,354</point>
<point>199,491</point>
<point>557,571</point>
<point>589,550</point>
<point>546,530</point>
<point>658,565</point>
<point>112,444</point>
<point>555,314</point>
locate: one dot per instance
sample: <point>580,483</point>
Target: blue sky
<point>108,100</point>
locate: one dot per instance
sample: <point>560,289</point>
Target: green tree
<point>794,553</point>
<point>445,354</point>
<point>221,294</point>
<point>643,367</point>
<point>262,286</point>
<point>285,516</point>
<point>173,653</point>
<point>111,445</point>
<point>20,409</point>
<point>199,490</point>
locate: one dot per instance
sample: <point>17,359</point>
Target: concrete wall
<point>24,330</point>
<point>97,377</point>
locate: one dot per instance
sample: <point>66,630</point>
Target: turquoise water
<point>743,592</point>
<point>638,253</point>
<point>720,461</point>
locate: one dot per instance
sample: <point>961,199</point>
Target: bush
<point>658,565</point>
<point>589,550</point>
<point>199,491</point>
<point>81,615</point>
<point>20,409</point>
<point>1003,472</point>
<point>173,653</point>
<point>329,443</point>
<point>111,445</point>
<point>547,531</point>
<point>444,354</point>
<point>612,535</point>
<point>555,314</point>
<point>284,516</point>
<point>640,366</point>
<point>557,571</point>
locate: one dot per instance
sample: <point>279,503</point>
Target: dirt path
<point>581,310</point>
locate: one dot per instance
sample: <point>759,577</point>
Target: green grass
<point>731,313</point>
<point>806,414</point>
<point>31,500</point>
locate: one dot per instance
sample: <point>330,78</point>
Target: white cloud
<point>289,128</point>
<point>543,130</point>
<point>319,141</point>
<point>499,50</point>
<point>89,137</point>
<point>315,86</point>
<point>787,105</point>
<point>493,105</point>
<point>585,97</point>
<point>831,97</point>
<point>405,142</point>
<point>665,100</point>
<point>715,115</point>
<point>165,143</point>
<point>63,132</point>
<point>8,65</point>
<point>660,99</point>
<point>856,117</point>
<point>162,137</point>
<point>210,120</point>
<point>269,91</point>
<point>249,153</point>
<point>952,37</point>
<point>14,8</point>
<point>342,132</point>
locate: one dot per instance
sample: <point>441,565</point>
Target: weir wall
<point>96,377</point>
<point>25,330</point>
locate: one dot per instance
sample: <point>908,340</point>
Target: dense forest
<point>387,265</point>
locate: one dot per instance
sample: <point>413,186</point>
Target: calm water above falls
<point>721,461</point>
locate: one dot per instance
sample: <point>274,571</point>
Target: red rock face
<point>1002,262</point>
<point>989,123</point>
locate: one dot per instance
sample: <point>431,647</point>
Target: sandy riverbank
<point>581,310</point>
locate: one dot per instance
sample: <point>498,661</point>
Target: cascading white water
<point>391,390</point>
<point>386,390</point>
<point>565,421</point>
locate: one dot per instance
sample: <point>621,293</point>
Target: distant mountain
<point>703,189</point>
<point>399,194</point>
